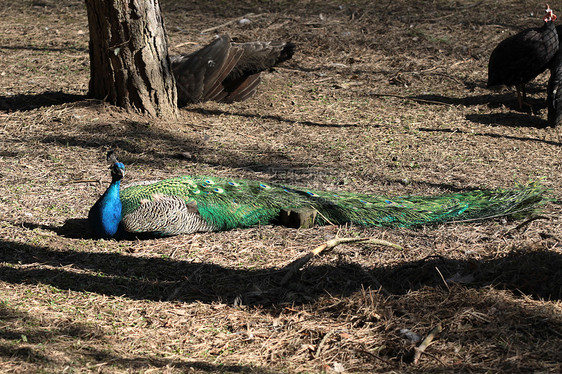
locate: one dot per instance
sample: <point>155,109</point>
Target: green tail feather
<point>228,204</point>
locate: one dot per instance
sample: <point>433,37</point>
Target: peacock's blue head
<point>117,171</point>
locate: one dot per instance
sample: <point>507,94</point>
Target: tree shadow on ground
<point>27,102</point>
<point>129,139</point>
<point>217,112</point>
<point>24,337</point>
<point>43,49</point>
<point>440,186</point>
<point>508,120</point>
<point>535,273</point>
<point>492,101</point>
<point>445,289</point>
<point>492,135</point>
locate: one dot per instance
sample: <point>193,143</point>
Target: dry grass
<point>328,119</point>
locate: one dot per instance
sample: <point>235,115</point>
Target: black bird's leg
<point>522,96</point>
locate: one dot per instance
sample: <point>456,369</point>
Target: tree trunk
<point>129,64</point>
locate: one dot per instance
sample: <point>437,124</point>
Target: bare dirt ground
<point>382,97</point>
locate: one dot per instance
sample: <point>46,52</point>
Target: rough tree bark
<point>129,64</point>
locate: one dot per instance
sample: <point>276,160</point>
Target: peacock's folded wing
<point>220,204</point>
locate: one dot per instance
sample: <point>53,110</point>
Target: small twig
<point>231,22</point>
<point>525,223</point>
<point>183,44</point>
<point>425,343</point>
<point>365,350</point>
<point>555,332</point>
<point>507,214</point>
<point>427,70</point>
<point>287,68</point>
<point>423,20</point>
<point>294,266</point>
<point>455,13</point>
<point>320,80</point>
<point>325,218</point>
<point>410,98</point>
<point>434,357</point>
<point>446,76</point>
<point>84,181</point>
<point>197,126</point>
<point>431,71</point>
<point>468,6</point>
<point>322,342</point>
<point>443,279</point>
<point>376,283</point>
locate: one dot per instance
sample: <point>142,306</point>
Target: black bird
<point>225,71</point>
<point>521,57</point>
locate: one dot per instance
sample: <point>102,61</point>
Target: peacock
<point>225,71</point>
<point>190,204</point>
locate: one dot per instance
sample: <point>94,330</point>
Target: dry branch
<point>184,44</point>
<point>323,342</point>
<point>425,343</point>
<point>293,267</point>
<point>410,98</point>
<point>525,223</point>
<point>443,278</point>
<point>84,181</point>
<point>231,22</point>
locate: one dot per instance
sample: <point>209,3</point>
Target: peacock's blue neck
<point>109,211</point>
